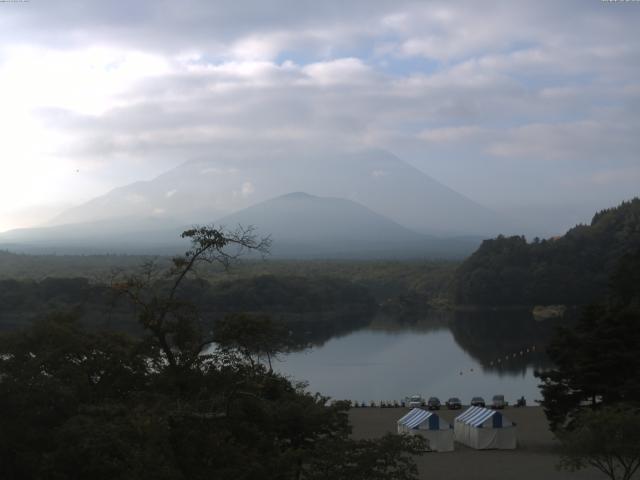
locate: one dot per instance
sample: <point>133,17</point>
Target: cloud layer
<point>518,103</point>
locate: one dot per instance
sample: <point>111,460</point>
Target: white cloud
<point>247,189</point>
<point>451,134</point>
<point>582,141</point>
<point>342,71</point>
<point>443,84</point>
<point>629,175</point>
<point>379,173</point>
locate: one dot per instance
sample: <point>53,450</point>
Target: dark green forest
<point>314,299</point>
<point>596,360</point>
<point>82,403</point>
<point>592,392</point>
<point>314,309</point>
<point>573,269</point>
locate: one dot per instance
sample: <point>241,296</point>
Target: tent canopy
<point>439,434</point>
<point>479,417</point>
<point>418,418</point>
<point>481,428</point>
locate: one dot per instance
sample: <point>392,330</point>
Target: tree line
<point>592,395</point>
<point>181,401</point>
<point>572,269</point>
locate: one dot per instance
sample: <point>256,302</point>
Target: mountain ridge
<point>301,226</point>
<point>205,190</point>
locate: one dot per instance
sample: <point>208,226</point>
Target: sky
<point>531,108</point>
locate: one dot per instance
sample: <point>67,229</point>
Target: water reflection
<point>504,342</point>
<point>452,354</point>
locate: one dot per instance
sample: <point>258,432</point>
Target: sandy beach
<point>534,458</point>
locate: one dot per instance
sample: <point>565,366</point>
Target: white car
<point>416,401</point>
<point>497,402</point>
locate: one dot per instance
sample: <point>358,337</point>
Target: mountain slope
<point>206,190</point>
<point>303,225</point>
<point>300,225</point>
<point>572,269</point>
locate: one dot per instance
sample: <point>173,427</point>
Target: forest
<point>179,400</point>
<point>572,269</point>
<point>320,297</point>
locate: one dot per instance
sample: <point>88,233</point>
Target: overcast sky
<point>516,104</point>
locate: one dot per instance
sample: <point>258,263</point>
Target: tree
<point>166,405</point>
<point>255,336</point>
<point>596,361</point>
<point>571,269</point>
<point>57,379</point>
<point>173,322</point>
<point>607,439</point>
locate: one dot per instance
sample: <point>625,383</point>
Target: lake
<point>445,355</point>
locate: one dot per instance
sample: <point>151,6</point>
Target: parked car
<point>416,401</point>
<point>497,402</point>
<point>477,402</point>
<point>454,403</point>
<point>433,403</point>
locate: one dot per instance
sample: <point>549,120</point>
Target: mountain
<point>572,269</point>
<point>307,226</point>
<point>300,225</point>
<point>201,191</point>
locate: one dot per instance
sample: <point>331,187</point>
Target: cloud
<point>126,90</point>
<point>247,189</point>
<point>583,141</point>
<point>630,175</point>
<point>451,134</point>
<point>342,71</point>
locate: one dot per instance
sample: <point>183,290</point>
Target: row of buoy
<point>511,356</point>
<point>382,404</point>
<point>506,358</point>
<point>401,404</point>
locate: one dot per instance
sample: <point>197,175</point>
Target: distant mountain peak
<point>308,226</point>
<point>203,191</point>
<point>296,196</point>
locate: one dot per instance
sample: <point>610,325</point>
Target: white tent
<point>439,434</point>
<point>481,428</point>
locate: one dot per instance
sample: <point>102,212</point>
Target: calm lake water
<point>461,355</point>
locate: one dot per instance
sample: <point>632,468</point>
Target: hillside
<point>205,190</point>
<point>572,269</point>
<point>302,226</point>
<point>307,226</point>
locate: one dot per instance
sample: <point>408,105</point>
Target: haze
<point>527,108</point>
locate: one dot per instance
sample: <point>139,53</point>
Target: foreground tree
<point>597,362</point>
<point>607,439</point>
<point>174,323</point>
<point>592,397</point>
<point>256,337</point>
<point>167,405</point>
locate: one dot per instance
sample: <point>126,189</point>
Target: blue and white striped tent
<point>481,428</point>
<point>438,433</point>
